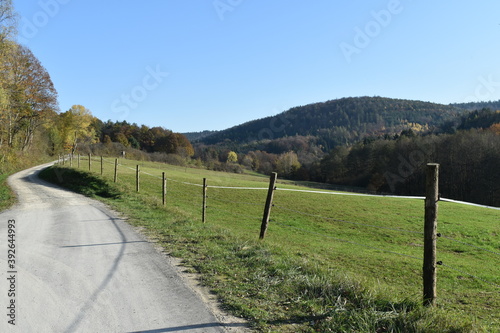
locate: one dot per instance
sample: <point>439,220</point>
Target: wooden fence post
<point>116,170</point>
<point>90,160</point>
<point>269,203</point>
<point>204,207</point>
<point>164,189</point>
<point>137,171</point>
<point>430,233</point>
<point>102,166</point>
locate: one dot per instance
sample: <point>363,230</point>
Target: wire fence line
<point>386,196</point>
<point>468,203</point>
<point>237,187</point>
<point>350,194</point>
<point>226,199</point>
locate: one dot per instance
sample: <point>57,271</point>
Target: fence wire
<point>237,188</point>
<point>350,194</point>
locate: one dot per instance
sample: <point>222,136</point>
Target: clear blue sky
<point>191,65</point>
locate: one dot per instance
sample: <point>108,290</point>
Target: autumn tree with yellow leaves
<point>75,126</point>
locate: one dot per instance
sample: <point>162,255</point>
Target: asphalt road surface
<point>79,268</point>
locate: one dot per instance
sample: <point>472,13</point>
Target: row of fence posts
<point>62,160</point>
<point>430,223</point>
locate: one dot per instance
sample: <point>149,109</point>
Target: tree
<point>184,146</point>
<point>495,128</point>
<point>31,96</point>
<point>133,142</point>
<point>76,126</point>
<point>4,103</point>
<point>121,138</point>
<point>232,157</point>
<point>106,140</point>
<point>7,21</point>
<point>55,141</point>
<point>288,164</point>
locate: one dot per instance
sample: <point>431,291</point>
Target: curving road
<point>79,268</point>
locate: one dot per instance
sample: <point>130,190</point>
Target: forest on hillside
<point>341,121</point>
<point>469,161</point>
<point>472,106</point>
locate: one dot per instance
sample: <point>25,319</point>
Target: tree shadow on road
<point>80,182</point>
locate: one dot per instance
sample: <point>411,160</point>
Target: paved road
<point>79,268</point>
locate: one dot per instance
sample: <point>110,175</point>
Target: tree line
<point>469,165</point>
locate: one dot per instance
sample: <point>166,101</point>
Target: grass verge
<point>7,198</point>
<point>14,162</point>
<point>278,288</point>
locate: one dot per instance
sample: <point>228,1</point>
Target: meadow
<point>329,262</point>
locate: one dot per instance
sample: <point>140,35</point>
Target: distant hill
<point>194,136</point>
<point>478,105</point>
<point>341,121</point>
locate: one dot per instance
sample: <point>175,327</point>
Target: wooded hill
<point>196,136</point>
<point>373,143</point>
<point>471,106</point>
<point>341,121</point>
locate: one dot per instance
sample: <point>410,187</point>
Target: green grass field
<point>328,263</point>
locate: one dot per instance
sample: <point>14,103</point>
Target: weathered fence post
<point>137,171</point>
<point>102,166</point>
<point>90,160</point>
<point>116,170</point>
<point>164,189</point>
<point>269,203</point>
<point>430,233</point>
<point>204,207</point>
